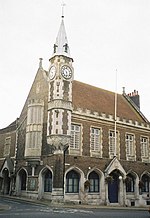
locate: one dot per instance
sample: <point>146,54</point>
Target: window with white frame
<point>75,136</point>
<point>94,182</point>
<point>7,146</point>
<point>95,139</point>
<point>113,144</point>
<point>72,182</point>
<point>130,148</point>
<point>144,147</point>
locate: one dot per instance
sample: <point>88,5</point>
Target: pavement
<point>66,205</point>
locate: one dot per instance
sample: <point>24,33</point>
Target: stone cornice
<point>59,104</point>
<point>110,118</point>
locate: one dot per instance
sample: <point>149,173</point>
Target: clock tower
<point>60,76</point>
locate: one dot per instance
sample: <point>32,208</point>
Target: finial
<point>40,63</point>
<point>62,12</point>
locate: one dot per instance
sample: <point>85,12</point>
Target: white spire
<point>61,45</point>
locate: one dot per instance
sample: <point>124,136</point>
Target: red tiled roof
<point>96,99</point>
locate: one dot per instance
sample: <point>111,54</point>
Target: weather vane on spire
<point>63,5</point>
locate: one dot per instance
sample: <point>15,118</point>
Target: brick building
<point>76,142</point>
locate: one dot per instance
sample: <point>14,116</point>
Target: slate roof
<point>99,100</point>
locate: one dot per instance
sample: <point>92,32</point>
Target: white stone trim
<point>109,117</point>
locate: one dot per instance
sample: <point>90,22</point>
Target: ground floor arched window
<point>48,181</point>
<point>72,182</point>
<point>130,183</point>
<point>145,183</point>
<point>94,182</point>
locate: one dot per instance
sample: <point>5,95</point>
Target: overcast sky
<point>103,35</point>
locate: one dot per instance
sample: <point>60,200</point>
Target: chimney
<point>134,96</point>
<point>123,91</point>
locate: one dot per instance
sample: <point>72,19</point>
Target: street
<point>22,209</point>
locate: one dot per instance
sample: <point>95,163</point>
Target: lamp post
<point>64,161</point>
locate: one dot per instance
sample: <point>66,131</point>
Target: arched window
<point>48,181</point>
<point>23,179</point>
<point>94,182</point>
<point>145,183</point>
<point>72,182</point>
<point>130,182</point>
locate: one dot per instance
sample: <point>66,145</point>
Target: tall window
<point>94,182</point>
<point>144,147</point>
<point>95,139</point>
<point>48,181</point>
<point>130,183</point>
<point>130,150</point>
<point>113,144</point>
<point>7,146</point>
<point>146,183</point>
<point>75,136</point>
<point>35,114</point>
<point>72,182</point>
<point>33,139</point>
<point>34,126</point>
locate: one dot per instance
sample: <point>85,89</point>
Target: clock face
<point>52,72</point>
<point>66,72</point>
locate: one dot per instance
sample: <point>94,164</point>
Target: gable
<point>113,165</point>
<point>39,90</point>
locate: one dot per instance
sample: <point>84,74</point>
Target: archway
<point>23,179</point>
<point>113,186</point>
<point>45,183</point>
<point>47,179</point>
<point>6,181</point>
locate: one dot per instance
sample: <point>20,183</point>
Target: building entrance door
<point>113,189</point>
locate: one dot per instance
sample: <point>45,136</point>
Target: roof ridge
<point>96,87</point>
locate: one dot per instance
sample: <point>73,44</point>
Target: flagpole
<point>115,149</point>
